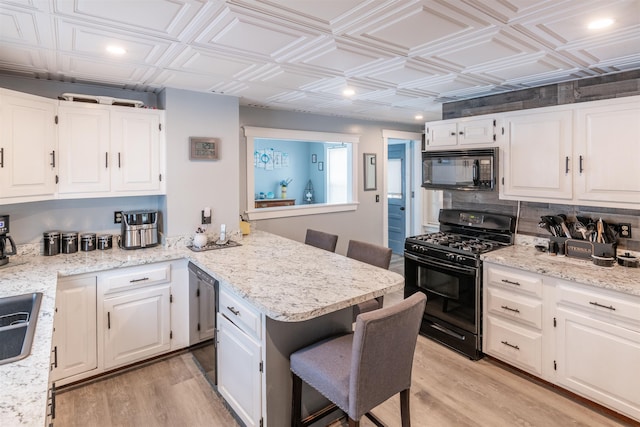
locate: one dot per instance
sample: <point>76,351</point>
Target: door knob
<point>401,208</point>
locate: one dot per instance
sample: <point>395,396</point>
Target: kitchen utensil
<point>600,231</point>
<point>581,228</point>
<point>628,260</point>
<point>551,224</point>
<point>560,220</point>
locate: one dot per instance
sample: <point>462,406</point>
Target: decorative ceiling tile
<point>399,55</point>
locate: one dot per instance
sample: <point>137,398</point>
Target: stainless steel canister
<point>87,242</point>
<point>51,243</point>
<point>105,241</point>
<point>69,243</point>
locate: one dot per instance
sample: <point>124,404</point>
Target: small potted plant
<point>283,187</point>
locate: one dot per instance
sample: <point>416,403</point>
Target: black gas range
<point>447,267</point>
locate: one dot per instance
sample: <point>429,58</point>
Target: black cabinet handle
<point>108,320</point>
<point>581,169</point>
<point>510,282</point>
<point>608,307</point>
<point>106,160</point>
<point>233,310</point>
<point>53,159</point>
<point>506,307</point>
<point>566,164</point>
<point>138,280</point>
<point>1,157</point>
<point>508,344</point>
<point>119,164</point>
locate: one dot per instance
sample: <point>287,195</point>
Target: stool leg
<point>404,408</point>
<point>296,401</point>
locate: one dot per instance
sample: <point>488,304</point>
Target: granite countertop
<point>525,257</point>
<point>284,279</point>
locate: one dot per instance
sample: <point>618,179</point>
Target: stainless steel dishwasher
<point>203,301</point>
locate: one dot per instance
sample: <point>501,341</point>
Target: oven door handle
<point>461,269</point>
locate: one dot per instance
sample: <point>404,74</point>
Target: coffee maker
<point>7,245</point>
<point>139,229</point>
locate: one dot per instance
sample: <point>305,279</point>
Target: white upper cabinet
<point>109,150</point>
<point>27,147</point>
<point>84,148</point>
<point>136,144</point>
<point>585,154</point>
<point>461,133</point>
<point>537,155</point>
<point>607,152</point>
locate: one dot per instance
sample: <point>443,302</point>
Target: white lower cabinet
<point>239,358</point>
<point>583,338</point>
<point>513,317</point>
<point>75,339</point>
<point>598,346</point>
<point>118,317</point>
<point>137,325</point>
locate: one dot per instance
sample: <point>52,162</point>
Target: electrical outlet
<point>117,217</point>
<point>205,219</point>
<point>624,230</point>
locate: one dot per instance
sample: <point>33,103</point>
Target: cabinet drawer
<point>519,308</point>
<point>240,313</point>
<point>601,302</point>
<point>129,278</point>
<point>513,344</point>
<point>515,279</point>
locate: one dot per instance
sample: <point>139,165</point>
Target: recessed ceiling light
<point>599,24</point>
<point>116,50</point>
<point>348,92</point>
<point>418,117</point>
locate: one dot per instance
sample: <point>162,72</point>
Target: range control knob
<point>459,258</point>
<point>451,256</point>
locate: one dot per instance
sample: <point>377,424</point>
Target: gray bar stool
<point>359,371</point>
<point>321,240</point>
<point>371,254</point>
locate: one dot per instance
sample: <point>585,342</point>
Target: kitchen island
<point>292,285</point>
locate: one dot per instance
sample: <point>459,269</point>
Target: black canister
<point>88,242</point>
<point>69,242</point>
<point>51,243</point>
<point>105,241</point>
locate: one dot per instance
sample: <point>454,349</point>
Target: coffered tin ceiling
<point>402,57</point>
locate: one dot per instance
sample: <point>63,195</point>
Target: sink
<point>18,315</point>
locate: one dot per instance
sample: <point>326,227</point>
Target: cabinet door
<point>84,149</point>
<point>480,131</point>
<point>74,337</point>
<point>239,376</point>
<point>537,162</point>
<point>599,360</point>
<point>27,146</point>
<point>135,142</point>
<point>608,153</point>
<point>441,135</point>
<point>137,325</point>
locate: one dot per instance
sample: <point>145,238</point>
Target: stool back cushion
<point>369,253</point>
<point>321,240</point>
<point>382,356</point>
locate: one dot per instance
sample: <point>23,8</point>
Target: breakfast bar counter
<point>288,282</point>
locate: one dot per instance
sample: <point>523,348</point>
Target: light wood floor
<point>448,390</point>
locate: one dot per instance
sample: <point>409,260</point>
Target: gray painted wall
<point>363,224</point>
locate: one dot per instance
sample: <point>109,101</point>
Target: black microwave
<point>460,169</point>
